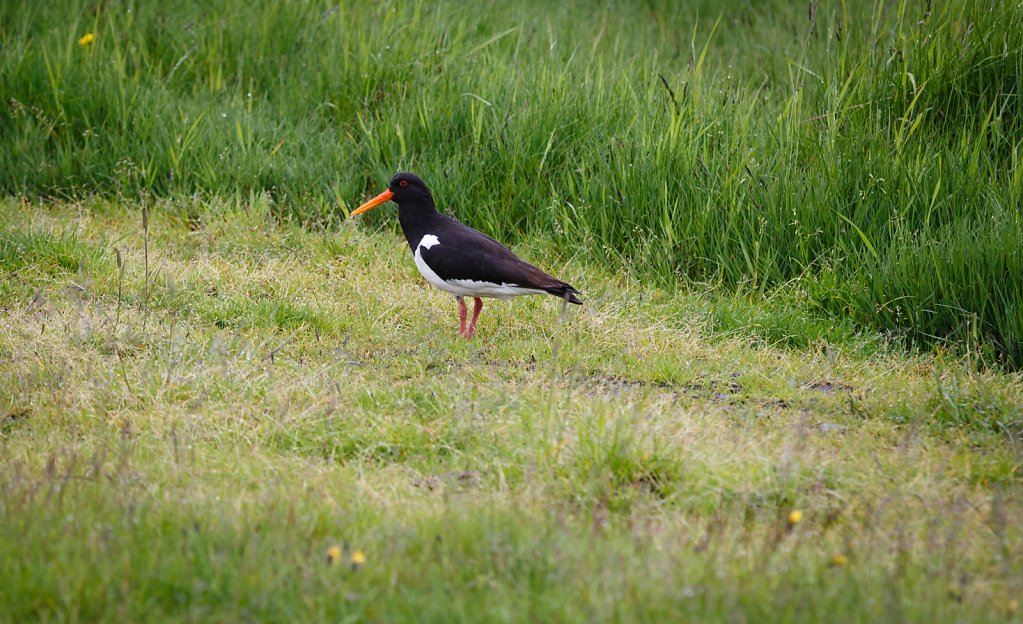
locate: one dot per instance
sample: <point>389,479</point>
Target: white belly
<point>466,288</point>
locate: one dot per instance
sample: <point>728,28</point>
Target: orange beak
<point>373,203</point>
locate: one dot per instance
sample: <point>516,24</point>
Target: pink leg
<point>476,309</point>
<point>461,316</point>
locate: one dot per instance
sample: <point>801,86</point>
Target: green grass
<point>192,453</point>
<point>866,154</point>
<point>798,235</point>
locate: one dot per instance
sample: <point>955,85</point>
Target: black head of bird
<point>405,189</point>
<point>459,259</point>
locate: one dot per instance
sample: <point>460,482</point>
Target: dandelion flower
<point>358,558</point>
<point>839,560</point>
<point>795,516</point>
<point>86,39</point>
<point>333,554</point>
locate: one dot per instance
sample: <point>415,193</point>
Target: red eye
<point>403,183</point>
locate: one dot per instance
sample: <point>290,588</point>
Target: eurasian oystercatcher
<point>456,258</point>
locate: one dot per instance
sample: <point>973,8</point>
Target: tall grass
<point>868,156</point>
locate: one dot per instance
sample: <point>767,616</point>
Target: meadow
<point>793,393</point>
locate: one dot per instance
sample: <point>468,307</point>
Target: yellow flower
<point>795,516</point>
<point>1013,606</point>
<point>839,560</point>
<point>86,39</point>
<point>333,554</point>
<point>358,558</point>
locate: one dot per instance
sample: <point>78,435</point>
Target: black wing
<point>467,254</point>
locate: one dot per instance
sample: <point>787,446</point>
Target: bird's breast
<point>427,242</point>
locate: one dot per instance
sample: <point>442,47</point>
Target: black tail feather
<point>566,292</point>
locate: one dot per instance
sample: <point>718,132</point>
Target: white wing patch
<point>429,241</point>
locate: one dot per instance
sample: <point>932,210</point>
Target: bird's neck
<point>416,221</point>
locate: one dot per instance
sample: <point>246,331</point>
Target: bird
<point>458,259</point>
